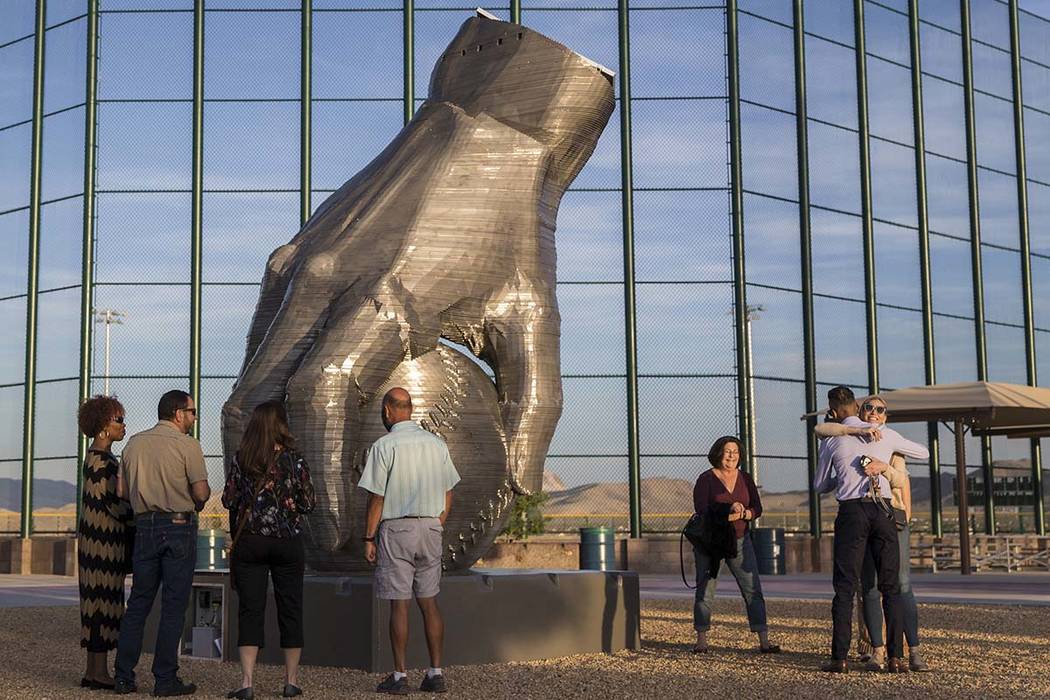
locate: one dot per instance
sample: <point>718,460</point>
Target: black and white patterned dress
<point>102,553</point>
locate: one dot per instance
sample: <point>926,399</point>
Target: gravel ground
<point>985,652</point>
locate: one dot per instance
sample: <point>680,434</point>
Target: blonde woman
<point>873,410</point>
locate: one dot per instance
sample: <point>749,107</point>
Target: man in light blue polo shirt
<point>409,477</point>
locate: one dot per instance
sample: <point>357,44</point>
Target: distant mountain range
<point>47,493</point>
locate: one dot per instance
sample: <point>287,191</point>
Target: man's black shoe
<point>393,687</point>
<point>124,687</point>
<point>176,688</point>
<point>835,666</point>
<point>434,684</point>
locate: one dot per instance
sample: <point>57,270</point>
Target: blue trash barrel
<point>597,548</point>
<point>210,553</point>
<point>769,550</point>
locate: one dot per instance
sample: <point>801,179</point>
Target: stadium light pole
<point>109,317</point>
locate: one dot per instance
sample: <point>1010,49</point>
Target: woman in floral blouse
<point>267,492</point>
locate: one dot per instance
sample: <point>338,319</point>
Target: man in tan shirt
<point>164,477</point>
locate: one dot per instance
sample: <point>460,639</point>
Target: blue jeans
<point>744,568</point>
<point>165,557</point>
<point>873,605</point>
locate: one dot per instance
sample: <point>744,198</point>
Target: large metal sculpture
<point>448,233</point>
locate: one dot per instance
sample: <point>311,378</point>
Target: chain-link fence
<point>829,221</point>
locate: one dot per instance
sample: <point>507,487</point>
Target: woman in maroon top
<point>723,485</point>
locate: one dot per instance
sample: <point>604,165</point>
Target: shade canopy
<point>989,408</point>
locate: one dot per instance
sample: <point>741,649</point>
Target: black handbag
<point>900,519</point>
<point>692,531</point>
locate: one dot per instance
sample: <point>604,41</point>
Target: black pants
<point>861,526</point>
<point>283,559</point>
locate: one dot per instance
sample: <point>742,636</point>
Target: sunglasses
<point>118,419</point>
<point>874,408</point>
<point>191,410</point>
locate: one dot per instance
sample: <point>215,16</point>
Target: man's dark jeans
<point>862,526</point>
<point>165,557</point>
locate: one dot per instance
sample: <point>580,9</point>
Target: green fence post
<point>409,31</point>
<point>87,256</point>
<point>975,251</point>
<point>305,105</point>
<point>1026,254</point>
<point>867,222</point>
<point>630,308</point>
<point>515,11</point>
<point>196,231</point>
<point>736,198</point>
<point>806,257</point>
<point>922,209</point>
<point>33,276</point>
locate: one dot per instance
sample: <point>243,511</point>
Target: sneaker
<point>393,687</point>
<point>124,687</point>
<point>434,684</point>
<point>176,688</point>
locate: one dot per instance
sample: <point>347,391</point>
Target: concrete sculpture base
<point>491,616</point>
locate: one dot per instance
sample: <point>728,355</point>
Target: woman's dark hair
<point>96,413</point>
<point>714,455</point>
<point>267,427</point>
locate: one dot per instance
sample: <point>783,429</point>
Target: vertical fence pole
<point>868,233</point>
<point>87,255</point>
<point>736,198</point>
<point>975,251</point>
<point>630,310</point>
<point>408,17</point>
<point>1026,253</point>
<point>922,209</point>
<point>33,275</point>
<point>960,490</point>
<point>196,232</point>
<point>806,256</point>
<point>306,54</point>
<point>515,11</point>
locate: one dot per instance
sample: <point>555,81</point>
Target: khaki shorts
<point>409,558</point>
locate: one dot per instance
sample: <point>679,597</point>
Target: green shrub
<point>526,517</point>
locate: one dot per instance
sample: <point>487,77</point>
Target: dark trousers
<point>283,559</point>
<point>165,557</point>
<point>860,527</point>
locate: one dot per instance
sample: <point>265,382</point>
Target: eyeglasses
<point>874,408</point>
<point>191,410</point>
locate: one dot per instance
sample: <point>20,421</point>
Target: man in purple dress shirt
<point>852,467</point>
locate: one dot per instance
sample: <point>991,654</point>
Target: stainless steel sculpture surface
<point>448,233</point>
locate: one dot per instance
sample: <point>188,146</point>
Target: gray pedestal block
<point>491,616</point>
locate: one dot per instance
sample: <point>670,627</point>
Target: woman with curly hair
<point>102,539</point>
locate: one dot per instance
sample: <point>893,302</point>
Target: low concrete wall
<point>56,556</point>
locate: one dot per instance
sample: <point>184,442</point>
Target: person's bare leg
<point>248,656</point>
<point>434,628</point>
<point>291,665</point>
<point>96,668</point>
<point>399,632</point>
<point>701,640</point>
